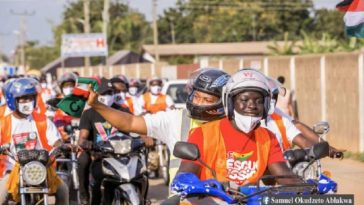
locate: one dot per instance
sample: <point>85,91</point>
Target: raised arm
<point>121,120</point>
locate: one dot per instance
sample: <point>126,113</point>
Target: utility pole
<point>105,22</point>
<point>1,53</point>
<point>22,34</point>
<point>86,25</point>
<point>105,17</point>
<point>171,25</point>
<point>155,30</point>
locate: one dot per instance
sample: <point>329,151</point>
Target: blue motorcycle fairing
<point>188,184</point>
<point>324,184</point>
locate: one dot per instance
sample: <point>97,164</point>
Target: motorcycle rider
<point>238,138</point>
<point>25,128</point>
<point>289,131</point>
<point>96,128</point>
<point>203,104</point>
<point>154,101</point>
<point>121,85</point>
<point>134,96</point>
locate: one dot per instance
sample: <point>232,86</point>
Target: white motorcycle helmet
<point>276,89</point>
<point>244,80</point>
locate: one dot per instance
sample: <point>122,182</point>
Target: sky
<point>44,14</point>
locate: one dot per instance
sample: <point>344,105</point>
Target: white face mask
<point>120,97</point>
<point>133,91</point>
<point>67,90</point>
<point>246,123</point>
<point>26,108</point>
<point>107,100</point>
<point>155,89</point>
<point>43,85</point>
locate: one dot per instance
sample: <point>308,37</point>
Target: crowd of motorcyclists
<point>233,119</point>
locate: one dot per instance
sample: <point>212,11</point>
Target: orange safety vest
<point>5,131</point>
<point>282,129</point>
<point>159,105</point>
<point>216,157</point>
<point>130,103</point>
<point>2,110</point>
<point>42,109</point>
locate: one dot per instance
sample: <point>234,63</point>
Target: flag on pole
<point>354,17</point>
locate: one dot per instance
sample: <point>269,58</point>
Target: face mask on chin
<point>26,108</point>
<point>133,91</point>
<point>107,100</point>
<point>246,123</point>
<point>155,89</point>
<point>67,90</point>
<point>120,97</point>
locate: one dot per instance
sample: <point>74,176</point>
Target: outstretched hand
<point>93,97</point>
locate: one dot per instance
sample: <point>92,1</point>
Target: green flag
<point>72,105</point>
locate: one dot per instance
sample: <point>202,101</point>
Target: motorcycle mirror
<point>321,128</point>
<point>319,150</point>
<point>185,150</point>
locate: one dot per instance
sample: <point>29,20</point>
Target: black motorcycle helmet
<point>210,81</point>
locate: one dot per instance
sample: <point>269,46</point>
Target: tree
<point>328,21</point>
<point>127,29</point>
<point>38,56</point>
<point>235,20</point>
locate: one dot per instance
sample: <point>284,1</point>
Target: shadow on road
<point>157,191</point>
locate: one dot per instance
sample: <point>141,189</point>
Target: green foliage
<point>39,56</point>
<point>288,47</point>
<point>127,29</point>
<point>327,44</point>
<point>175,60</point>
<point>354,155</point>
<point>234,20</point>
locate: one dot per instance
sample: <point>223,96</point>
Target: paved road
<point>349,175</point>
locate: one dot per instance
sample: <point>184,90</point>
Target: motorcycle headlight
<point>34,173</point>
<point>121,146</point>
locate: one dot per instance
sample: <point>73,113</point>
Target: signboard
<point>81,45</point>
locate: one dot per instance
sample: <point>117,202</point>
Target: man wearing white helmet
<point>242,149</point>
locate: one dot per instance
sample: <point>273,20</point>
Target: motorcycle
<point>301,161</point>
<point>33,184</point>
<point>124,170</point>
<point>187,186</point>
<point>67,166</point>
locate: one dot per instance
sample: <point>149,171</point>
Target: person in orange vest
<point>25,128</point>
<point>134,94</point>
<point>242,149</point>
<point>285,127</point>
<point>154,101</point>
<point>66,83</point>
<point>120,85</point>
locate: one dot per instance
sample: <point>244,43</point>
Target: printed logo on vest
<point>239,167</point>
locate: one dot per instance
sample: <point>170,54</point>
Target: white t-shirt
<point>153,99</point>
<point>165,126</point>
<point>291,130</point>
<point>25,134</point>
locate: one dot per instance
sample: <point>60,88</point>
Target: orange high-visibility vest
<point>2,110</point>
<point>215,152</point>
<point>282,129</point>
<point>41,107</point>
<point>130,103</point>
<point>159,105</point>
<point>5,131</point>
